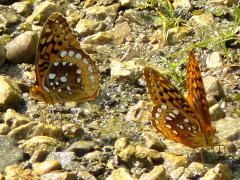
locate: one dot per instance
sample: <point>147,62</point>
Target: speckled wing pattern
<point>64,72</point>
<point>172,114</point>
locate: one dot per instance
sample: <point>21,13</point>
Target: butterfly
<point>64,72</point>
<point>183,120</point>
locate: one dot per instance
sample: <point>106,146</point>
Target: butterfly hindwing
<point>176,125</point>
<point>64,71</point>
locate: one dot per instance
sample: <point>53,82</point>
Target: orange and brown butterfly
<point>180,119</point>
<point>64,72</point>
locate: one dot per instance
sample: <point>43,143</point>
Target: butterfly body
<point>64,72</point>
<point>183,120</point>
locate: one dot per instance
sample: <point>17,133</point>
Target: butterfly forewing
<point>196,93</point>
<point>63,69</point>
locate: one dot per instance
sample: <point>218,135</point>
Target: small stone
<point>68,160</point>
<point>120,173</point>
<point>100,38</point>
<point>127,153</point>
<point>4,129</point>
<point>152,141</point>
<point>213,86</point>
<point>46,167</point>
<point>126,3</point>
<point>44,145</point>
<point>9,17</point>
<point>175,174</point>
<point>29,130</point>
<point>93,156</point>
<point>194,170</point>
<point>71,130</point>
<point>18,172</point>
<point>143,152</point>
<point>214,60</point>
<point>59,176</point>
<point>173,162</point>
<point>128,71</point>
<point>121,144</point>
<point>177,34</point>
<point>89,3</point>
<point>158,172</point>
<point>14,119</point>
<point>216,112</point>
<point>24,8</point>
<point>220,171</point>
<point>183,4</point>
<point>87,27</point>
<point>43,11</point>
<point>82,147</point>
<point>201,20</point>
<point>22,48</point>
<point>10,93</point>
<point>211,100</point>
<point>227,129</point>
<point>103,12</point>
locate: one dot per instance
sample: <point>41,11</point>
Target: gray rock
<point>22,49</point>
<point>9,152</point>
<point>10,93</point>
